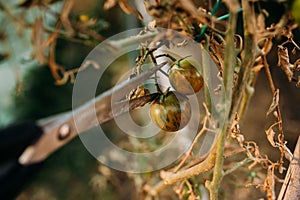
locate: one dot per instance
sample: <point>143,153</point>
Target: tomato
<point>171,111</point>
<point>185,78</point>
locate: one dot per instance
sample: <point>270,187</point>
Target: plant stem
<point>213,186</point>
<point>248,55</point>
<point>205,71</point>
<point>166,55</point>
<point>229,65</point>
<point>133,40</point>
<point>236,166</point>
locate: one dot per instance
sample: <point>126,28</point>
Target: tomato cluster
<point>171,111</point>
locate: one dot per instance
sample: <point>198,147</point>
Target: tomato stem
<point>166,55</point>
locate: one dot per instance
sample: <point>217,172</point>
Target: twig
<point>170,178</point>
<point>204,128</point>
<point>119,44</point>
<point>236,166</point>
<point>278,116</point>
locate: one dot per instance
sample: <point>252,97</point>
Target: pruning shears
<point>60,129</point>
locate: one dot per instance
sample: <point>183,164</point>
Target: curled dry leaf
<point>270,136</point>
<point>129,9</point>
<point>275,102</point>
<point>109,4</point>
<point>296,65</point>
<point>284,62</point>
<point>235,127</point>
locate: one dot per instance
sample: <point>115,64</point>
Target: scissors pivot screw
<point>64,132</point>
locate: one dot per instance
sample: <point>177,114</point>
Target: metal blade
<point>64,127</point>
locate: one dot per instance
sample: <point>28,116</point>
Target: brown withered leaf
<point>296,65</point>
<point>129,9</point>
<point>271,136</point>
<point>109,4</point>
<point>275,102</point>
<point>267,46</point>
<point>189,7</point>
<point>37,39</point>
<point>284,62</point>
<point>257,68</point>
<point>261,22</point>
<point>298,82</point>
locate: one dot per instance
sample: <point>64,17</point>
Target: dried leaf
<point>275,102</point>
<point>129,9</point>
<point>37,39</point>
<point>261,22</point>
<point>284,62</point>
<point>235,128</point>
<point>298,82</point>
<point>257,68</point>
<point>281,169</point>
<point>189,7</point>
<point>296,65</point>
<point>267,46</point>
<point>275,113</point>
<point>270,136</point>
<point>240,140</point>
<point>109,4</point>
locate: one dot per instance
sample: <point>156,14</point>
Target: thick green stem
<point>248,55</point>
<point>214,185</point>
<point>228,73</point>
<point>205,71</point>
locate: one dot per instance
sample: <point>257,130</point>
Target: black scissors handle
<point>14,140</point>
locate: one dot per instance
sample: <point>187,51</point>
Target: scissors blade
<point>60,129</point>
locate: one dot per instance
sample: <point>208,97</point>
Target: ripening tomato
<point>171,111</point>
<point>185,78</point>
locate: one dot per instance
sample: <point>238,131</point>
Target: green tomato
<point>171,111</point>
<point>185,78</point>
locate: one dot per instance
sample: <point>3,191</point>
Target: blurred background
<point>28,90</point>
